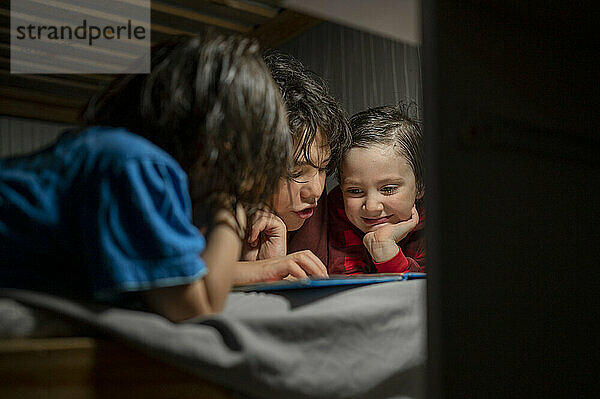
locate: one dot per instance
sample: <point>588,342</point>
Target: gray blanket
<point>362,342</point>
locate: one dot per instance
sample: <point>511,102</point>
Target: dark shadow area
<point>306,296</point>
<point>511,134</point>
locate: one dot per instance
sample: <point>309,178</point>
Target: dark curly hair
<point>396,126</point>
<point>309,107</point>
<point>211,103</point>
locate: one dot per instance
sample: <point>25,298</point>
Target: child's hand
<point>382,243</point>
<point>267,237</point>
<point>296,265</point>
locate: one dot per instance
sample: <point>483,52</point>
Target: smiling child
<point>376,220</point>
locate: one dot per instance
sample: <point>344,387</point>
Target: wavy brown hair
<point>395,126</point>
<point>309,107</point>
<point>211,103</point>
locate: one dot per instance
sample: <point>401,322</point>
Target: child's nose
<point>313,188</point>
<point>372,204</point>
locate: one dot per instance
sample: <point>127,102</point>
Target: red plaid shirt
<point>348,255</point>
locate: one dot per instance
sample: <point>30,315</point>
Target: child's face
<point>378,186</point>
<point>296,199</point>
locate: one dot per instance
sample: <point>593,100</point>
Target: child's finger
<point>368,238</point>
<point>273,224</point>
<point>255,230</point>
<point>415,215</point>
<point>296,271</point>
<point>402,228</point>
<point>414,218</point>
<point>320,268</point>
<point>310,263</point>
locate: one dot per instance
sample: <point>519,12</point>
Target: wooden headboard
<point>82,367</point>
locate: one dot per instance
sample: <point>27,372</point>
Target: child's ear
<point>420,194</point>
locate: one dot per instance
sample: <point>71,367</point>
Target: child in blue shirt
<point>108,211</point>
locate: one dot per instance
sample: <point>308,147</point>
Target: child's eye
<point>296,175</point>
<point>389,189</point>
<point>305,174</point>
<point>299,178</point>
<point>354,191</point>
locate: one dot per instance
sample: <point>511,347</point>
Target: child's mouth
<point>305,213</point>
<point>377,220</point>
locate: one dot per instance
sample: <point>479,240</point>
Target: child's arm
<point>208,294</point>
<point>411,259</point>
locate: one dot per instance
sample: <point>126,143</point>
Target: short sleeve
<point>137,228</point>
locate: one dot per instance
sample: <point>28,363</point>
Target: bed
<point>344,342</point>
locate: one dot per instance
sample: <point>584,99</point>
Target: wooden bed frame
<point>82,367</point>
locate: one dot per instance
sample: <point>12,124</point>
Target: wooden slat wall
<point>363,70</point>
<point>60,98</point>
<point>28,100</point>
<point>19,136</point>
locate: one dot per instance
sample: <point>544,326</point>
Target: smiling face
<point>378,186</point>
<point>296,198</point>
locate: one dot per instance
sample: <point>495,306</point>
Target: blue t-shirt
<point>99,213</point>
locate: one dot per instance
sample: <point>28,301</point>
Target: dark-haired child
<point>291,240</point>
<point>106,212</point>
<point>376,218</point>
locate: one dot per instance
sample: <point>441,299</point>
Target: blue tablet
<point>331,281</point>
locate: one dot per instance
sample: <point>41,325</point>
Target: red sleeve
<point>403,264</point>
<point>398,264</point>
